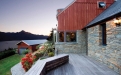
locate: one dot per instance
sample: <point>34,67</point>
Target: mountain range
<point>22,35</point>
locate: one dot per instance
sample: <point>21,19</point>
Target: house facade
<point>71,22</point>
<point>104,37</point>
<point>97,35</point>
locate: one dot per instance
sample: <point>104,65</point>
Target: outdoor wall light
<point>101,4</point>
<point>117,21</point>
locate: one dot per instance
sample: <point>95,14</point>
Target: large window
<point>67,36</point>
<point>70,36</point>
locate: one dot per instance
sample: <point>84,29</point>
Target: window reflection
<point>70,36</point>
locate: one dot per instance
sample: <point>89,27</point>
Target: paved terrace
<point>82,65</point>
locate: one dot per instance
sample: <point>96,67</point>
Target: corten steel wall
<point>79,14</point>
<point>23,45</point>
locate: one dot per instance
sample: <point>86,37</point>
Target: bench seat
<point>41,67</point>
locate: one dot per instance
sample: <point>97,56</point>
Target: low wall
<point>73,47</point>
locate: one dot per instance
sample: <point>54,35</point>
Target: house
<point>104,37</point>
<point>72,20</point>
<point>91,27</point>
<point>29,44</point>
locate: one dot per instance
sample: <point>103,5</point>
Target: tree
<point>50,37</point>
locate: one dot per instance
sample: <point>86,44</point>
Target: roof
<point>109,13</point>
<point>33,42</point>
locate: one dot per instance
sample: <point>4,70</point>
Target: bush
<point>1,55</point>
<point>6,53</point>
<point>50,54</point>
<point>26,52</point>
<point>39,54</point>
<point>28,61</point>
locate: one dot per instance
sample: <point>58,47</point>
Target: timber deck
<point>82,65</point>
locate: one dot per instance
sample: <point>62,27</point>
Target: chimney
<point>59,10</point>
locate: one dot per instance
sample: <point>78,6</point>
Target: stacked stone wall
<point>109,54</point>
<point>73,47</point>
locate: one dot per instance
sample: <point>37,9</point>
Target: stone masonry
<point>109,54</point>
<point>73,47</point>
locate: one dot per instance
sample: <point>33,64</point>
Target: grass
<point>7,63</point>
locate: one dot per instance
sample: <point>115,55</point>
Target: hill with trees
<point>22,35</point>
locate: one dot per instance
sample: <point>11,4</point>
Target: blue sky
<point>35,16</point>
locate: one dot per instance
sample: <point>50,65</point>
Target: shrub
<point>27,61</point>
<point>26,52</point>
<point>37,56</point>
<point>1,55</point>
<point>50,54</point>
<point>6,53</point>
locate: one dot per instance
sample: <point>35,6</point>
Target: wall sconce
<point>117,21</point>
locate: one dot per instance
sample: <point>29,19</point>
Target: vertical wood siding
<point>79,14</point>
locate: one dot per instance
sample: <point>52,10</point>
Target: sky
<point>35,16</point>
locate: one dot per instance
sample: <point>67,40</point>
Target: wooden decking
<point>82,65</point>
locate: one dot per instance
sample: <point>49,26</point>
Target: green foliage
<point>26,51</point>
<point>6,53</point>
<point>48,47</point>
<point>37,47</point>
<point>42,58</point>
<point>50,37</point>
<point>39,54</point>
<point>50,54</point>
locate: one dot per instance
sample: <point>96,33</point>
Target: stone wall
<point>109,54</point>
<point>73,47</point>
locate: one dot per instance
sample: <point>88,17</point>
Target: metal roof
<point>33,42</point>
<point>111,11</point>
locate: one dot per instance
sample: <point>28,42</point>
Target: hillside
<point>22,35</point>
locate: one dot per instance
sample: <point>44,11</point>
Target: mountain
<point>22,35</point>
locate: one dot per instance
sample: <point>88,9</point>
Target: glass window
<point>61,36</point>
<point>102,34</point>
<point>70,36</point>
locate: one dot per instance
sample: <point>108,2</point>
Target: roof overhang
<point>104,20</point>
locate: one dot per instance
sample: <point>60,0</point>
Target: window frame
<point>59,36</point>
<point>104,35</point>
<point>99,6</point>
<point>70,32</point>
<point>65,32</point>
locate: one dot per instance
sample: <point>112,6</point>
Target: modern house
<point>91,27</point>
<point>29,44</point>
<point>72,22</point>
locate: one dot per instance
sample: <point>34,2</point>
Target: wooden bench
<point>41,67</point>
